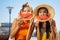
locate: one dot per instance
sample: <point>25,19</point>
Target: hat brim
<point>50,10</point>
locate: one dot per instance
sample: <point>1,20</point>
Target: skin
<point>15,26</point>
<point>27,10</point>
<point>42,12</point>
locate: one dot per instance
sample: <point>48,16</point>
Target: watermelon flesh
<point>26,15</point>
<point>43,17</point>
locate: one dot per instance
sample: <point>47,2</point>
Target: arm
<point>30,31</point>
<point>38,31</point>
<point>14,28</point>
<point>54,30</point>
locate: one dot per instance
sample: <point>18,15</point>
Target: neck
<point>43,30</point>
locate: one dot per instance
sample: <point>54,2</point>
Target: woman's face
<point>42,12</point>
<point>26,13</point>
<point>27,10</point>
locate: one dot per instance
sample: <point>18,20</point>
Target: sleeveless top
<point>22,32</point>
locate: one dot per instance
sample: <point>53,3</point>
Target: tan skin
<point>15,26</point>
<point>42,12</point>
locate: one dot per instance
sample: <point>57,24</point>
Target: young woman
<point>21,26</point>
<point>46,27</point>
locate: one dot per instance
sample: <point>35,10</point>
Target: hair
<point>42,8</point>
<point>25,5</point>
<point>47,28</point>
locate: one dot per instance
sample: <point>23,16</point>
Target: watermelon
<point>26,15</point>
<point>43,17</point>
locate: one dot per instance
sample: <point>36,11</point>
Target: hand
<point>19,21</point>
<point>37,24</point>
<point>32,20</point>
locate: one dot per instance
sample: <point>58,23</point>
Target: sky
<point>17,4</point>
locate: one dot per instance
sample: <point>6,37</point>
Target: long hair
<point>47,28</point>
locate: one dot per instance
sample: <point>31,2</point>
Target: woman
<point>20,26</point>
<point>46,27</point>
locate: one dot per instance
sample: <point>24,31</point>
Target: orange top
<point>22,32</point>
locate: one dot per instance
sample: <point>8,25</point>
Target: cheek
<point>45,13</point>
<point>40,14</point>
<point>29,12</point>
<point>23,13</point>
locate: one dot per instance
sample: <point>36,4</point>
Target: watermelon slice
<point>26,15</point>
<point>44,17</point>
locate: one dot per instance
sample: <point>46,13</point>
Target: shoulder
<point>15,20</point>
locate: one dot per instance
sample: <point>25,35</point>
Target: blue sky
<point>17,4</point>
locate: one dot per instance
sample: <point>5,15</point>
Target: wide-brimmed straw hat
<point>50,10</point>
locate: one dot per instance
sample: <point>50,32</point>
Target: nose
<point>42,13</point>
<point>26,11</point>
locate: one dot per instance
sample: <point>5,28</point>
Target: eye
<point>28,10</point>
<point>24,11</point>
<point>39,12</point>
<point>45,11</point>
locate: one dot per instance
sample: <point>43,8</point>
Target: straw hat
<point>50,10</point>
